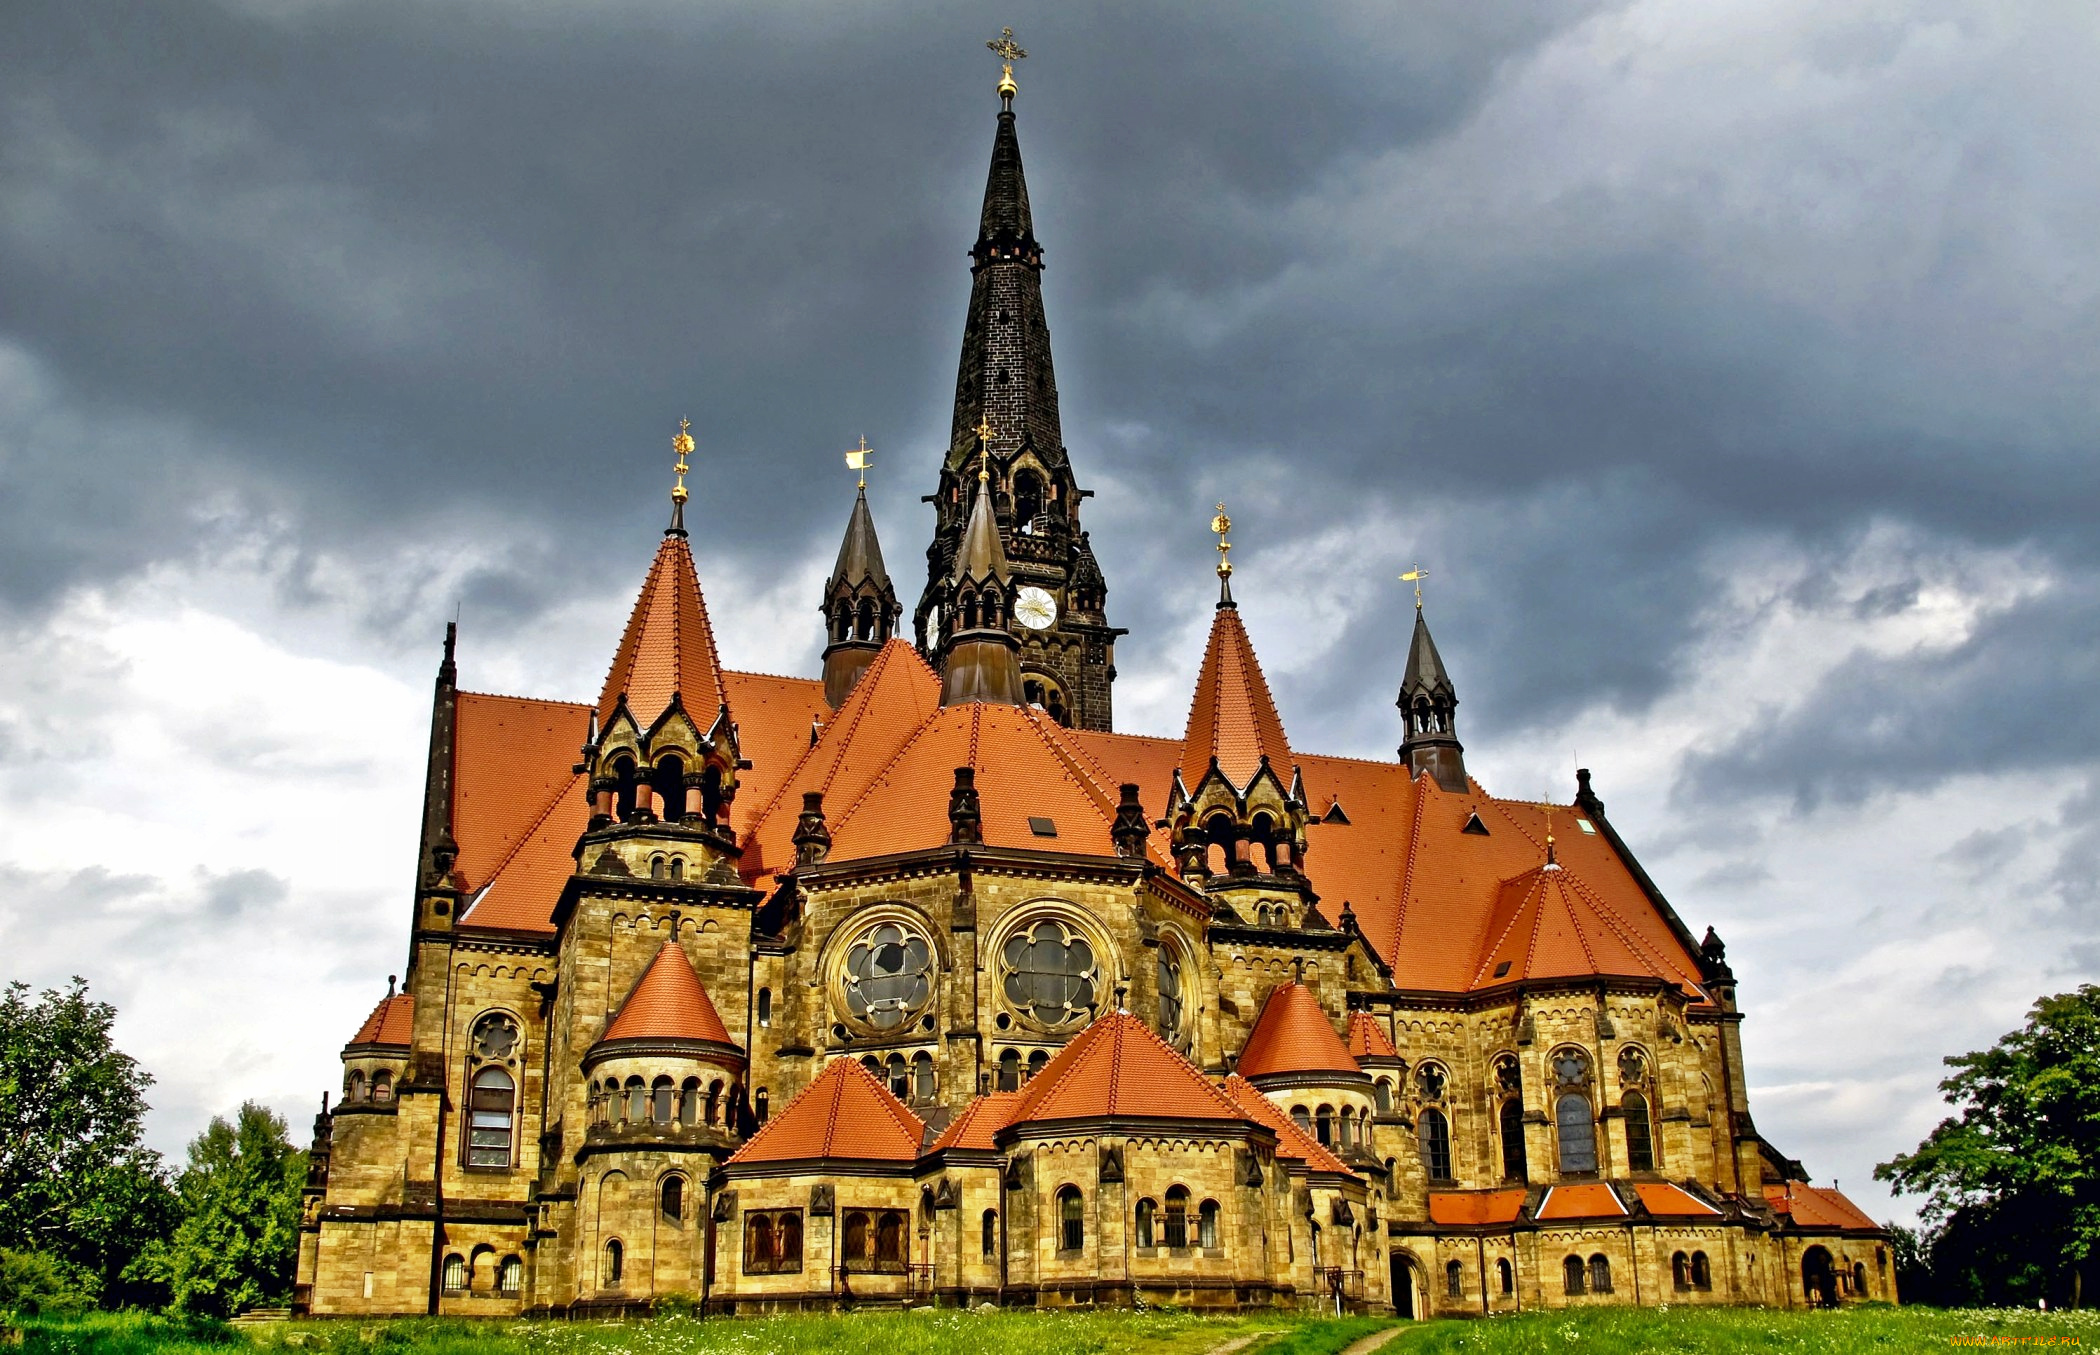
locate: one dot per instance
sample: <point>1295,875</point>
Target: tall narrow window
<point>1178,1216</point>
<point>889,1238</point>
<point>922,1085</point>
<point>1454,1280</point>
<point>510,1277</point>
<point>1578,1133</point>
<point>489,1119</point>
<point>762,1105</point>
<point>991,1233</point>
<point>900,1077</point>
<point>1435,1134</point>
<point>689,1102</point>
<point>1680,1271</point>
<point>1038,1061</point>
<point>1071,1217</point>
<point>857,1237</point>
<point>1600,1274</point>
<point>1323,1123</point>
<point>1010,1070</point>
<point>1640,1134</point>
<point>615,1262</point>
<point>1507,1274</point>
<point>1572,1275</point>
<point>660,1098</point>
<point>637,1101</point>
<point>382,1086</point>
<point>1147,1223</point>
<point>1207,1225</point>
<point>1702,1271</point>
<point>455,1274</point>
<point>765,1006</point>
<point>758,1244</point>
<point>674,1197</point>
<point>787,1240</point>
<point>1514,1167</point>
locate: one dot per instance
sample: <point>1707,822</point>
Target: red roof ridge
<point>992,1108</point>
<point>668,1002</point>
<point>1291,1141</point>
<point>858,702</point>
<point>1293,1035</point>
<point>830,1088</point>
<point>1045,1097</point>
<point>394,1012</point>
<point>776,677</point>
<point>882,773</point>
<point>1611,918</point>
<point>466,917</point>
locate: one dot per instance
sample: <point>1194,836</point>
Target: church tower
<point>1430,704</point>
<point>1006,386</point>
<point>860,607</point>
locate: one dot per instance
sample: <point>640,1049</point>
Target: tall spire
<point>860,606</point>
<point>1232,719</point>
<point>1005,381</point>
<point>1430,704</point>
<point>978,652</point>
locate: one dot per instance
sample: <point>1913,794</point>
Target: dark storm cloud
<point>386,270</point>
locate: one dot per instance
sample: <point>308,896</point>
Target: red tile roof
<point>1670,1201</point>
<point>668,1003</point>
<point>1817,1206</point>
<point>979,1123</point>
<point>845,1114</point>
<point>512,759</point>
<point>1119,1067</point>
<point>1580,1202</point>
<point>1291,1141</point>
<point>391,1023</point>
<point>1232,717</point>
<point>668,647</point>
<point>772,717</point>
<point>1475,1208</point>
<point>1292,1035</point>
<point>1367,1039</point>
<point>1549,923</point>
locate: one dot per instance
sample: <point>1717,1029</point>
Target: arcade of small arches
<point>664,1101</point>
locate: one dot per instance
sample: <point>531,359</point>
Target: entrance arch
<point>1818,1278</point>
<point>1403,1284</point>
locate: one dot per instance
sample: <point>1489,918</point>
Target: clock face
<point>1035,608</point>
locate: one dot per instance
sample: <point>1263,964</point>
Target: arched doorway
<point>1818,1278</point>
<point>1403,1282</point>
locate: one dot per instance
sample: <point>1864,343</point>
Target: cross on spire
<point>857,459</point>
<point>1008,51</point>
<point>1415,577</point>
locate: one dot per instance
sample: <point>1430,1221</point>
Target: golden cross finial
<point>984,448</point>
<point>1222,524</point>
<point>1008,51</point>
<point>857,459</point>
<point>683,445</point>
<point>1415,577</point>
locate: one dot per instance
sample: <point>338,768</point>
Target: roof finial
<point>1222,524</point>
<point>857,458</point>
<point>984,447</point>
<point>683,445</point>
<point>1008,51</point>
<point>1415,577</point>
<point>1551,864</point>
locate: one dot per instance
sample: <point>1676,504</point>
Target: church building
<point>915,981</point>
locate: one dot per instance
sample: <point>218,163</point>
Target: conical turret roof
<point>668,1003</point>
<point>860,554</point>
<point>1293,1035</point>
<point>844,1114</point>
<point>1425,667</point>
<point>982,555</point>
<point>1232,718</point>
<point>668,647</point>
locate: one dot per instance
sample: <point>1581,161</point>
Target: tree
<point>75,1184</point>
<point>2013,1182</point>
<point>239,1234</point>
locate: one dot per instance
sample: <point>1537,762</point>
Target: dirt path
<point>1366,1345</point>
<point>1237,1343</point>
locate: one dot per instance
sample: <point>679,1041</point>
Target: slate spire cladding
<point>860,605</point>
<point>977,646</point>
<point>1430,703</point>
<point>1006,382</point>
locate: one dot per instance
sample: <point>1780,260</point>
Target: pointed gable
<point>668,1003</point>
<point>668,647</point>
<point>1118,1068</point>
<point>1291,1141</point>
<point>1293,1035</point>
<point>844,1115</point>
<point>1548,924</point>
<point>860,554</point>
<point>1232,718</point>
<point>1367,1039</point>
<point>390,1023</point>
<point>982,555</point>
<point>978,1126</point>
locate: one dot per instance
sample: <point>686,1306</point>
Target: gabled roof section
<point>1232,718</point>
<point>1547,923</point>
<point>1810,1206</point>
<point>1580,1202</point>
<point>1118,1068</point>
<point>844,1115</point>
<point>1292,1035</point>
<point>512,761</point>
<point>860,554</point>
<point>1667,1201</point>
<point>1367,1039</point>
<point>668,1003</point>
<point>391,1022</point>
<point>1291,1141</point>
<point>976,1128</point>
<point>1475,1208</point>
<point>668,648</point>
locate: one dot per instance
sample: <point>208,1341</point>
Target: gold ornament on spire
<point>1008,51</point>
<point>1222,524</point>
<point>683,445</point>
<point>984,446</point>
<point>1415,577</point>
<point>857,458</point>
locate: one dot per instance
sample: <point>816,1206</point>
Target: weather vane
<point>1415,577</point>
<point>1222,524</point>
<point>857,459</point>
<point>1008,51</point>
<point>984,448</point>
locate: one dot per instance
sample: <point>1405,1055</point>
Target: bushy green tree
<point>239,1236</point>
<point>2013,1181</point>
<point>75,1183</point>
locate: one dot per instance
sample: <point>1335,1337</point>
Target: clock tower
<point>1005,385</point>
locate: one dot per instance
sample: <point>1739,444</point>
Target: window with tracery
<point>1051,973</point>
<point>1170,993</point>
<point>888,975</point>
<point>1430,1080</point>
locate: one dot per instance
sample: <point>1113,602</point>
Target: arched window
<point>1859,1278</point>
<point>689,1102</point>
<point>489,1119</point>
<point>1702,1271</point>
<point>991,1232</point>
<point>660,1097</point>
<point>1507,1274</point>
<point>1640,1133</point>
<point>1147,1223</point>
<point>1454,1280</point>
<point>857,1236</point>
<point>677,869</point>
<point>673,1197</point>
<point>354,1087</point>
<point>1384,1092</point>
<point>787,1240</point>
<point>1323,1125</point>
<point>762,1105</point>
<point>714,1102</point>
<point>1010,1070</point>
<point>1169,992</point>
<point>1302,1118</point>
<point>889,1238</point>
<point>1435,1135</point>
<point>899,1077</point>
<point>1680,1271</point>
<point>1600,1274</point>
<point>615,1262</point>
<point>1572,1275</point>
<point>866,627</point>
<point>510,1277</point>
<point>922,1084</point>
<point>455,1279</point>
<point>1207,1225</point>
<point>1038,1060</point>
<point>1511,1119</point>
<point>888,975</point>
<point>765,1006</point>
<point>659,867</point>
<point>1071,1218</point>
<point>1178,1216</point>
<point>1578,1133</point>
<point>758,1244</point>
<point>382,1086</point>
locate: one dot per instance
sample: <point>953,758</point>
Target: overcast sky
<point>1730,365</point>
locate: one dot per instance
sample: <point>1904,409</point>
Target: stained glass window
<point>1050,973</point>
<point>889,974</point>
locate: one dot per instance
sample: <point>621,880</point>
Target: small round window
<point>495,1036</point>
<point>1050,973</point>
<point>889,972</point>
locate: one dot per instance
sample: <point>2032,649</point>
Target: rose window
<point>495,1037</point>
<point>1571,1068</point>
<point>1051,973</point>
<point>889,973</point>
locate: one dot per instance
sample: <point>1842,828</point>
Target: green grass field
<point>1027,1333</point>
